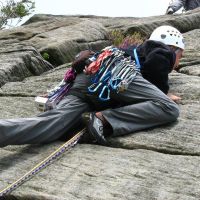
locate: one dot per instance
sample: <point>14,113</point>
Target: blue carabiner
<point>106,77</point>
<point>102,86</point>
<point>115,82</point>
<point>94,87</point>
<point>97,75</point>
<point>105,93</point>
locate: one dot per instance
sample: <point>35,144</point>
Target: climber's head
<point>171,37</point>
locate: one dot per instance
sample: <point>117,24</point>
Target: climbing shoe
<point>95,128</point>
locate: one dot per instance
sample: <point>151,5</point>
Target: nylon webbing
<point>52,157</point>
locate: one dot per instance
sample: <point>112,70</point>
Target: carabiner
<point>115,82</point>
<point>94,87</point>
<point>105,77</point>
<point>105,93</point>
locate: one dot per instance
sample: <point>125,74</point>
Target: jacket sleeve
<point>158,64</point>
<point>177,4</point>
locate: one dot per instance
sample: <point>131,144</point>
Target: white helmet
<point>169,36</point>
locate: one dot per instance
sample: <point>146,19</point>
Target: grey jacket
<point>187,4</point>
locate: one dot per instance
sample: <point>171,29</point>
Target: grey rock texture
<point>157,164</point>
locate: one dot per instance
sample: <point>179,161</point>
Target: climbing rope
<point>52,157</point>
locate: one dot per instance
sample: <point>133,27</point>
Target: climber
<point>144,104</point>
<point>175,5</point>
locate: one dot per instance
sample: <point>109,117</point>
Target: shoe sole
<point>91,130</point>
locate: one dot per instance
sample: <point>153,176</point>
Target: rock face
<point>161,163</point>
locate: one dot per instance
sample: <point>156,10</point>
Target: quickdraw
<point>55,95</point>
<point>114,73</point>
<point>66,146</point>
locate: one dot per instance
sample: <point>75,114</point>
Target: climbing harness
<point>55,95</point>
<point>65,147</point>
<point>112,72</point>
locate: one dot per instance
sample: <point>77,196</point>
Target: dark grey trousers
<point>142,106</point>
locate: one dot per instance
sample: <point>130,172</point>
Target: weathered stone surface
<point>161,163</point>
<point>184,22</point>
<point>61,38</point>
<point>95,172</point>
<point>190,64</point>
<point>14,107</point>
<point>19,61</point>
<point>35,85</point>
